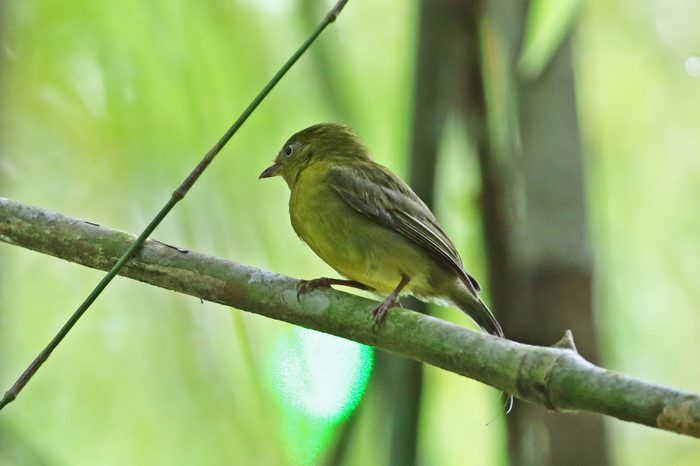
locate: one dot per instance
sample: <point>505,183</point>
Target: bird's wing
<point>374,191</point>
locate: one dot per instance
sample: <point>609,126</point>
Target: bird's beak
<point>272,170</point>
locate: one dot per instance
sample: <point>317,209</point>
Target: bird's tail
<point>479,313</point>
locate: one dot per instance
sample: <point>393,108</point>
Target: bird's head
<point>320,142</point>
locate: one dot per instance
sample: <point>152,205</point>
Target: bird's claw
<point>304,286</point>
<point>379,313</point>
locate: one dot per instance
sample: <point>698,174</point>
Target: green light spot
<point>319,380</point>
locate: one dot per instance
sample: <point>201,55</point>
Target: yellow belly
<point>354,244</point>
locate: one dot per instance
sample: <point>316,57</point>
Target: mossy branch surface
<point>555,377</point>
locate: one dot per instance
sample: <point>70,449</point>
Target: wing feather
<point>374,191</point>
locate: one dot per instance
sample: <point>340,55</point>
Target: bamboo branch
<point>555,377</point>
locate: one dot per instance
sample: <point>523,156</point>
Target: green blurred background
<point>106,106</point>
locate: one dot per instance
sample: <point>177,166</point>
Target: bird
<point>370,226</point>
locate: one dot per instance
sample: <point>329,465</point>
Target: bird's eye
<point>289,150</point>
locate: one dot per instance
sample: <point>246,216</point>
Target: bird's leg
<point>304,286</point>
<point>379,312</point>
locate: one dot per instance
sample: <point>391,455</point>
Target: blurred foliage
<point>105,107</point>
<point>640,113</point>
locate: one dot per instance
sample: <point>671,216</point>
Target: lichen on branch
<point>556,377</point>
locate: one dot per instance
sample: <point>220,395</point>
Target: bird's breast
<point>352,243</point>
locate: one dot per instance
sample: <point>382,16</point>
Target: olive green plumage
<point>370,226</point>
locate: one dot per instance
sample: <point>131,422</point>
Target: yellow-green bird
<point>370,226</point>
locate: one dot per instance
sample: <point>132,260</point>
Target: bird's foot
<point>379,313</point>
<point>304,286</point>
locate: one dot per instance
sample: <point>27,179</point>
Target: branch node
<point>566,342</point>
<point>333,14</point>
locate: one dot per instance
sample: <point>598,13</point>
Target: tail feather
<point>479,313</point>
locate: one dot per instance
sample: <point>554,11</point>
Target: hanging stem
<point>176,197</point>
